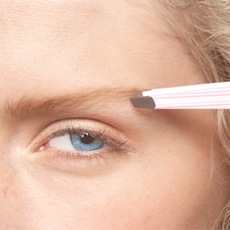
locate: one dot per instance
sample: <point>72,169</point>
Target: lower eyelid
<point>80,164</point>
<point>77,154</point>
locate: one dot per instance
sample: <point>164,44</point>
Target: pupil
<point>86,138</point>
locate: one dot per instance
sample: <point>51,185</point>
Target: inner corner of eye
<point>43,147</point>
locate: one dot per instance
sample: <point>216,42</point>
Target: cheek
<point>10,195</point>
<point>140,196</point>
<point>148,199</point>
<point>7,181</point>
<point>13,198</point>
<point>170,196</point>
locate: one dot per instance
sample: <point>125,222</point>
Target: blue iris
<point>84,142</point>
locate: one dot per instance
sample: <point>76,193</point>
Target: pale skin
<point>167,176</point>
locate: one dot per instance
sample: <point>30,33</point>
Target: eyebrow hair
<point>28,106</point>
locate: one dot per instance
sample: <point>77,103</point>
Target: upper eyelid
<point>100,130</point>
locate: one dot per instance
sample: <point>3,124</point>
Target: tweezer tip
<point>143,102</point>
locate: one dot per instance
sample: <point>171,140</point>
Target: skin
<point>170,177</point>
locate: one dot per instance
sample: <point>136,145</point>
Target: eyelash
<point>75,127</point>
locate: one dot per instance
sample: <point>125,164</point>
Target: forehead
<point>51,47</point>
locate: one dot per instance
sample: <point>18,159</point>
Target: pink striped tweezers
<point>201,96</point>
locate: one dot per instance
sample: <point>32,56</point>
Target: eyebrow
<point>29,106</point>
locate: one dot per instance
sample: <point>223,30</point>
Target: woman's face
<point>69,67</point>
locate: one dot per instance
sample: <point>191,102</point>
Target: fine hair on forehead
<point>204,28</point>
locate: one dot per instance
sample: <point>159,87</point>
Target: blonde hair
<point>204,27</point>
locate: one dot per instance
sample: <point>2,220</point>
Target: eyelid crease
<point>110,136</point>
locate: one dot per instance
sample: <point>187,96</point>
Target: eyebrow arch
<point>28,106</point>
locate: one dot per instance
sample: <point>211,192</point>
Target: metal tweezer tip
<point>143,102</point>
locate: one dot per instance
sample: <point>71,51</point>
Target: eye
<point>80,142</point>
<point>80,138</point>
<point>80,147</point>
